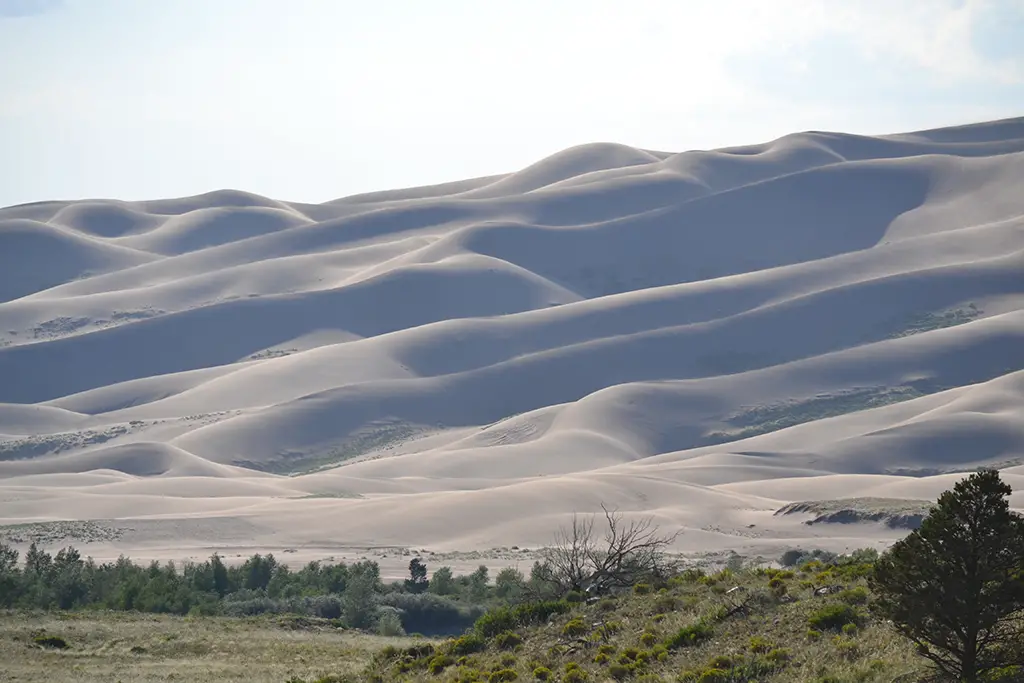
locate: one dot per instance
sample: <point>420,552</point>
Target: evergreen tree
<point>955,586</point>
<point>478,584</point>
<point>10,576</point>
<point>417,581</point>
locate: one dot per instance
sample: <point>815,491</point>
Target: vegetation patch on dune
<point>376,438</point>
<point>936,320</point>
<point>896,513</point>
<point>47,533</point>
<point>28,447</point>
<point>763,419</point>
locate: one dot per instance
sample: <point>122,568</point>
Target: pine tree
<point>955,586</point>
<point>417,581</point>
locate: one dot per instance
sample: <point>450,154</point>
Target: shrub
<point>834,617</point>
<point>55,642</point>
<point>629,654</point>
<point>508,618</point>
<point>847,648</point>
<point>642,588</point>
<point>575,676</point>
<point>575,597</point>
<point>600,658</point>
<point>575,627</point>
<point>689,636</point>
<point>508,640</point>
<point>647,638</point>
<point>854,596</point>
<point>758,644</point>
<point>619,672</point>
<point>713,676</point>
<point>467,645</point>
<point>439,663</point>
<point>389,624</point>
<point>502,675</point>
<point>720,662</point>
<point>431,614</point>
<point>666,603</point>
<point>779,656</point>
<point>850,629</point>
<point>542,673</point>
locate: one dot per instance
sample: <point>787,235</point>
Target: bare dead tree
<point>569,560</point>
<point>629,553</point>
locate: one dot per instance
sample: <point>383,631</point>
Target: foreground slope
<point>704,337</point>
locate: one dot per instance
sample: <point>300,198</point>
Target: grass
<point>112,647</point>
<point>693,629</point>
<point>752,624</point>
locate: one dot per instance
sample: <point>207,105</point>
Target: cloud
<point>27,8</point>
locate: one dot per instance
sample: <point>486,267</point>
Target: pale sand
<point>700,337</point>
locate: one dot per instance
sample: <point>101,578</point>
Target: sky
<point>312,100</point>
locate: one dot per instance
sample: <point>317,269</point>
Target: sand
<point>700,337</point>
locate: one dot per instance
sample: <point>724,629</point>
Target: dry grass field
<point>135,648</point>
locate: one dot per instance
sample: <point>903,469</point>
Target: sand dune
<point>702,337</point>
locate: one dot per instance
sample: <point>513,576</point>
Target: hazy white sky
<point>310,100</point>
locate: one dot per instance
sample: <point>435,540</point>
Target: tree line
<point>954,586</point>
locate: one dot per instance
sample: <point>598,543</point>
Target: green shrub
<point>648,638</point>
<point>666,603</point>
<point>542,673</point>
<point>642,588</point>
<point>54,642</point>
<point>502,675</point>
<point>575,676</point>
<point>509,618</point>
<point>713,676</point>
<point>575,627</point>
<point>508,640</point>
<point>619,672</point>
<point>720,662</point>
<point>758,644</point>
<point>439,663</point>
<point>575,597</point>
<point>850,630</point>
<point>467,645</point>
<point>854,596</point>
<point>508,660</point>
<point>848,649</point>
<point>689,636</point>
<point>600,658</point>
<point>390,624</point>
<point>834,617</point>
<point>629,655</point>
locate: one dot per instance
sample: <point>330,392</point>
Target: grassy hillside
<point>755,624</point>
